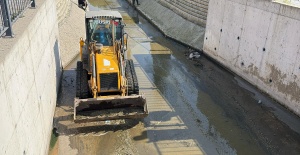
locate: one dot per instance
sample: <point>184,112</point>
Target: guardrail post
<point>6,18</point>
<point>33,3</point>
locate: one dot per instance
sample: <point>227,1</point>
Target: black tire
<point>134,77</point>
<point>132,82</point>
<point>78,77</point>
<point>129,78</point>
<point>82,87</point>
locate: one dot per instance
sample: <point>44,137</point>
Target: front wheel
<point>132,83</point>
<point>82,86</point>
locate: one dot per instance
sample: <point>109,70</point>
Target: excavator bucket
<point>111,108</point>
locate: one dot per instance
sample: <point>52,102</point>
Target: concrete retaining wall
<point>63,8</point>
<point>194,11</point>
<point>71,29</point>
<point>30,70</point>
<point>256,39</point>
<point>172,24</point>
<point>260,41</point>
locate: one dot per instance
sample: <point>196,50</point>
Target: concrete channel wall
<point>194,11</point>
<point>63,8</point>
<point>260,41</point>
<point>177,26</point>
<point>30,71</point>
<point>71,29</point>
<point>256,39</point>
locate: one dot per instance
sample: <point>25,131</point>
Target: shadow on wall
<point>58,64</point>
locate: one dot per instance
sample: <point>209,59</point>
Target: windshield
<point>102,35</point>
<point>100,31</point>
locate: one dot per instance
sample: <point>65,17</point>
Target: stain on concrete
<point>290,89</point>
<point>254,71</point>
<point>278,81</point>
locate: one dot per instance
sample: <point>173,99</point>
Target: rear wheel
<point>132,83</point>
<point>129,78</point>
<point>82,87</point>
<point>134,77</point>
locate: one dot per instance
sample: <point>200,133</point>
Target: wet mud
<point>195,105</point>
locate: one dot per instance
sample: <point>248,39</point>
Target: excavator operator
<point>103,35</point>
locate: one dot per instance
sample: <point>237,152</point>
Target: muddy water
<point>196,106</point>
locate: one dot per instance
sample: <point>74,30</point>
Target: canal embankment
<point>180,27</point>
<point>256,40</point>
<point>30,71</point>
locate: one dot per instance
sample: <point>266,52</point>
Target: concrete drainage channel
<point>196,107</point>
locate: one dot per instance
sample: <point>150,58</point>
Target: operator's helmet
<point>102,25</point>
<point>101,35</point>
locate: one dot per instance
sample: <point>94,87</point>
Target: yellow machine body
<point>107,64</point>
<point>106,86</point>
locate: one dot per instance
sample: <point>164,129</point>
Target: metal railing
<point>10,11</point>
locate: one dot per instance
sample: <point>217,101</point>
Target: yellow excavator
<point>106,82</point>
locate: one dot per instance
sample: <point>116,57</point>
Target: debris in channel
<point>192,54</point>
<point>195,56</point>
